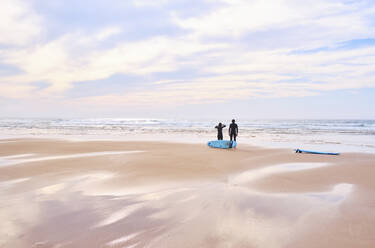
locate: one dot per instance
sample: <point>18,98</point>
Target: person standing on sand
<point>233,130</point>
<point>220,131</point>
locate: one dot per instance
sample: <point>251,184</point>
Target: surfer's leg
<point>235,137</point>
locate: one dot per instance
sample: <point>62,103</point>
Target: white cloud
<point>237,17</point>
<point>16,91</point>
<point>18,23</point>
<point>107,33</point>
<point>312,23</point>
<point>232,70</point>
<point>257,75</point>
<point>142,3</point>
<point>67,60</point>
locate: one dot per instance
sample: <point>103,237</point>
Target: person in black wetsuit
<point>220,131</point>
<point>233,130</point>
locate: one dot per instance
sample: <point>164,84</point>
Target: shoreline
<point>197,139</point>
<point>308,134</point>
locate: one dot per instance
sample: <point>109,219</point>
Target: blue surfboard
<point>224,144</point>
<point>314,152</point>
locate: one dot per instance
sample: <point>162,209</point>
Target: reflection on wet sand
<point>255,174</point>
<point>20,159</point>
<point>164,219</point>
<point>217,214</point>
<point>66,211</point>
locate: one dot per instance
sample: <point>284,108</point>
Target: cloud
<point>16,91</point>
<point>107,33</point>
<point>237,17</point>
<point>257,75</point>
<point>19,25</point>
<point>227,49</point>
<point>142,3</point>
<point>73,58</point>
<point>312,23</point>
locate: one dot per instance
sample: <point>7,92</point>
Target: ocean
<point>323,135</point>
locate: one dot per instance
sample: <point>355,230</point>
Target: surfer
<point>220,131</point>
<point>233,130</point>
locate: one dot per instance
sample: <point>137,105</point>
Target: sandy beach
<point>56,193</point>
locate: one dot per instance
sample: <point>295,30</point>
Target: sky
<point>269,59</point>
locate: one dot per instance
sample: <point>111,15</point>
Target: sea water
<point>322,135</point>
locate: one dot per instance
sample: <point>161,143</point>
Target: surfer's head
<point>233,121</point>
<point>220,124</point>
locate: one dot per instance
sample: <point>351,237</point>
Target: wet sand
<point>56,193</point>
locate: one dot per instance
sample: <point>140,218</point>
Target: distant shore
<point>57,193</point>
